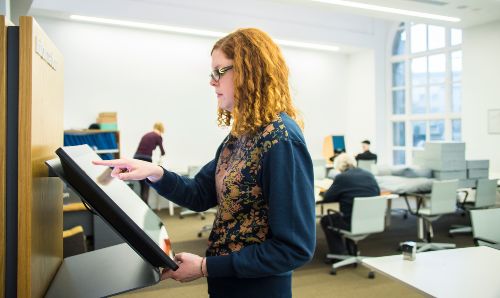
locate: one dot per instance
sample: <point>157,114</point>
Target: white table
<point>461,272</point>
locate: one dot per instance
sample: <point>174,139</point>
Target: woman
<point>261,177</point>
<point>147,145</point>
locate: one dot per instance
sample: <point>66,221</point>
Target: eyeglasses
<point>216,74</point>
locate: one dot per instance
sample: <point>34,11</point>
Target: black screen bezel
<point>109,211</point>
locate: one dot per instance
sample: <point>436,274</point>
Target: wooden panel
<point>40,134</point>
<point>3,139</point>
<point>328,148</point>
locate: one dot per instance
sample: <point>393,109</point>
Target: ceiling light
<point>390,10</point>
<point>148,26</point>
<point>305,45</point>
<point>197,32</point>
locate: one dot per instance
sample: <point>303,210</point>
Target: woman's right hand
<point>132,169</point>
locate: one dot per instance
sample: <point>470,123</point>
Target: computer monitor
<point>338,144</point>
<point>116,203</point>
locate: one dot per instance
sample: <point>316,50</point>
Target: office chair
<point>192,171</point>
<point>319,169</point>
<point>485,223</point>
<point>74,241</point>
<point>321,182</point>
<point>368,217</point>
<point>442,200</point>
<point>486,196</point>
<point>366,165</point>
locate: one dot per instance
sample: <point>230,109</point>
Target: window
<point>426,88</point>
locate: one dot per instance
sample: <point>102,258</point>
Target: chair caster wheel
<point>333,272</point>
<point>181,217</point>
<point>355,265</point>
<point>203,218</point>
<point>199,235</point>
<point>371,275</point>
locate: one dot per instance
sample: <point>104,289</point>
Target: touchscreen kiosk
<point>116,203</point>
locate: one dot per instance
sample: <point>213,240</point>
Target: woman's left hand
<point>189,268</point>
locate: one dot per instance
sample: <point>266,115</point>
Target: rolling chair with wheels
<point>486,196</point>
<point>368,217</point>
<point>485,223</point>
<point>442,200</point>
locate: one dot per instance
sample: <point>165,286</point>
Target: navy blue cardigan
<point>280,167</point>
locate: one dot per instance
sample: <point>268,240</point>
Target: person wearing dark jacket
<point>147,145</point>
<point>261,177</point>
<point>351,183</point>
<point>366,154</point>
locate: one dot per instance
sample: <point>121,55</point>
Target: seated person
<point>366,154</point>
<point>351,183</point>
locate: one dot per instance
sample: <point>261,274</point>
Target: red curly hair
<point>260,81</point>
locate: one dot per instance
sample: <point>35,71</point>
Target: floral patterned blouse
<point>265,225</point>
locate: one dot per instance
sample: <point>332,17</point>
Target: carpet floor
<point>313,279</point>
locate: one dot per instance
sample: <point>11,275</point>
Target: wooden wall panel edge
<point>47,136</point>
<point>41,85</point>
<point>3,139</point>
<point>24,161</point>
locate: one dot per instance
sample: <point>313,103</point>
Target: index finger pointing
<point>111,163</point>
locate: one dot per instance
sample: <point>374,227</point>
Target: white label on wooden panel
<point>45,54</point>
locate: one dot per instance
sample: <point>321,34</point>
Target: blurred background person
<point>147,145</point>
<point>351,183</point>
<point>366,154</point>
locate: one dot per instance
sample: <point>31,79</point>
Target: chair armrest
<point>462,204</point>
<point>420,198</point>
<point>332,212</point>
<point>330,221</point>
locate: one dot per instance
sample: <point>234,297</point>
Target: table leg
<point>388,213</point>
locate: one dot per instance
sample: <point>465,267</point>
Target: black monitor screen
<point>116,203</point>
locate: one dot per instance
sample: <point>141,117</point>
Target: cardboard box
<point>107,114</point>
<point>477,173</point>
<point>448,175</point>
<point>109,126</point>
<point>467,183</point>
<point>432,147</point>
<point>478,164</point>
<point>445,165</point>
<point>419,157</point>
<point>445,151</point>
<point>107,117</point>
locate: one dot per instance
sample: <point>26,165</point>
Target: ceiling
<point>471,12</point>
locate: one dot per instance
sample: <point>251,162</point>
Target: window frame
<point>408,117</point>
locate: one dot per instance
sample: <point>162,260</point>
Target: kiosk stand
<point>100,273</point>
<point>119,268</point>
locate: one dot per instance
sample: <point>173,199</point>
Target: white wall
<point>5,8</point>
<point>149,76</point>
<point>360,110</point>
<point>318,86</point>
<point>481,92</point>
